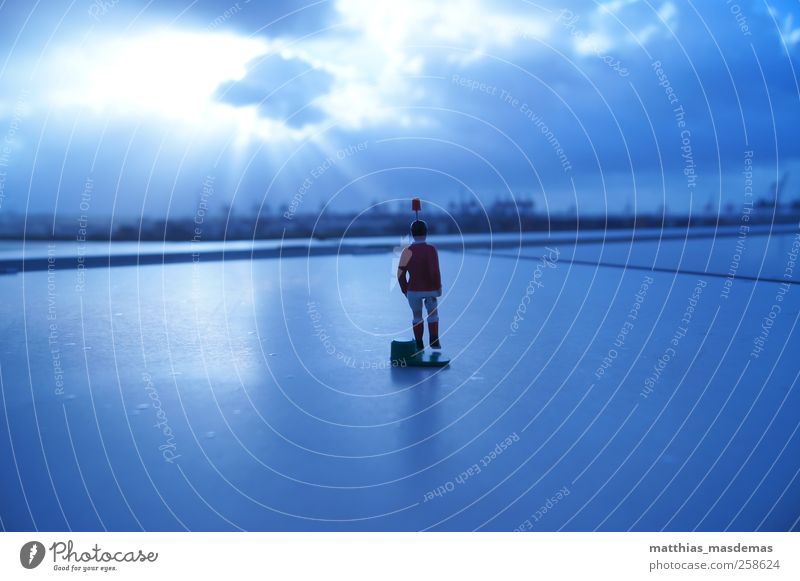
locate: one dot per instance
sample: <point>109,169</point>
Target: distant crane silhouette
<point>778,187</point>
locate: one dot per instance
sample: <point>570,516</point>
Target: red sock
<point>419,329</point>
<point>433,331</point>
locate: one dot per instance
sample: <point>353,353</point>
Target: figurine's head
<point>419,229</point>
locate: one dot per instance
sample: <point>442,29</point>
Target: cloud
<point>361,70</point>
<point>282,88</point>
<point>666,23</point>
<point>624,25</point>
<point>789,32</point>
<point>471,25</point>
<point>378,48</point>
<point>364,71</point>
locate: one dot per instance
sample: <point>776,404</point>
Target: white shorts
<point>417,298</point>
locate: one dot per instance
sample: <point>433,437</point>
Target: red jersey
<point>422,266</point>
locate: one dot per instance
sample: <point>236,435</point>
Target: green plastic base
<point>426,359</point>
<point>404,354</point>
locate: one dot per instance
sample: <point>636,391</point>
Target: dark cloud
<point>282,88</point>
<point>738,91</point>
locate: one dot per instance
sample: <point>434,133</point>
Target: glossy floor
<point>257,394</point>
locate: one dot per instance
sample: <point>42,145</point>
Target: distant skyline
<point>597,106</point>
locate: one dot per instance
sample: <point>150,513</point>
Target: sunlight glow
<point>375,64</point>
<point>172,75</point>
<point>167,73</point>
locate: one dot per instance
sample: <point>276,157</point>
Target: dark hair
<point>419,228</point>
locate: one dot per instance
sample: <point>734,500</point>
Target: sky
<point>132,109</point>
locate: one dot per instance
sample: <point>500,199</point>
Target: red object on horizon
<point>416,205</point>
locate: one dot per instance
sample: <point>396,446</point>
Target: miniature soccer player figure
<point>421,261</point>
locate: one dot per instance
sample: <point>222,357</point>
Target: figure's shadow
<point>424,390</point>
